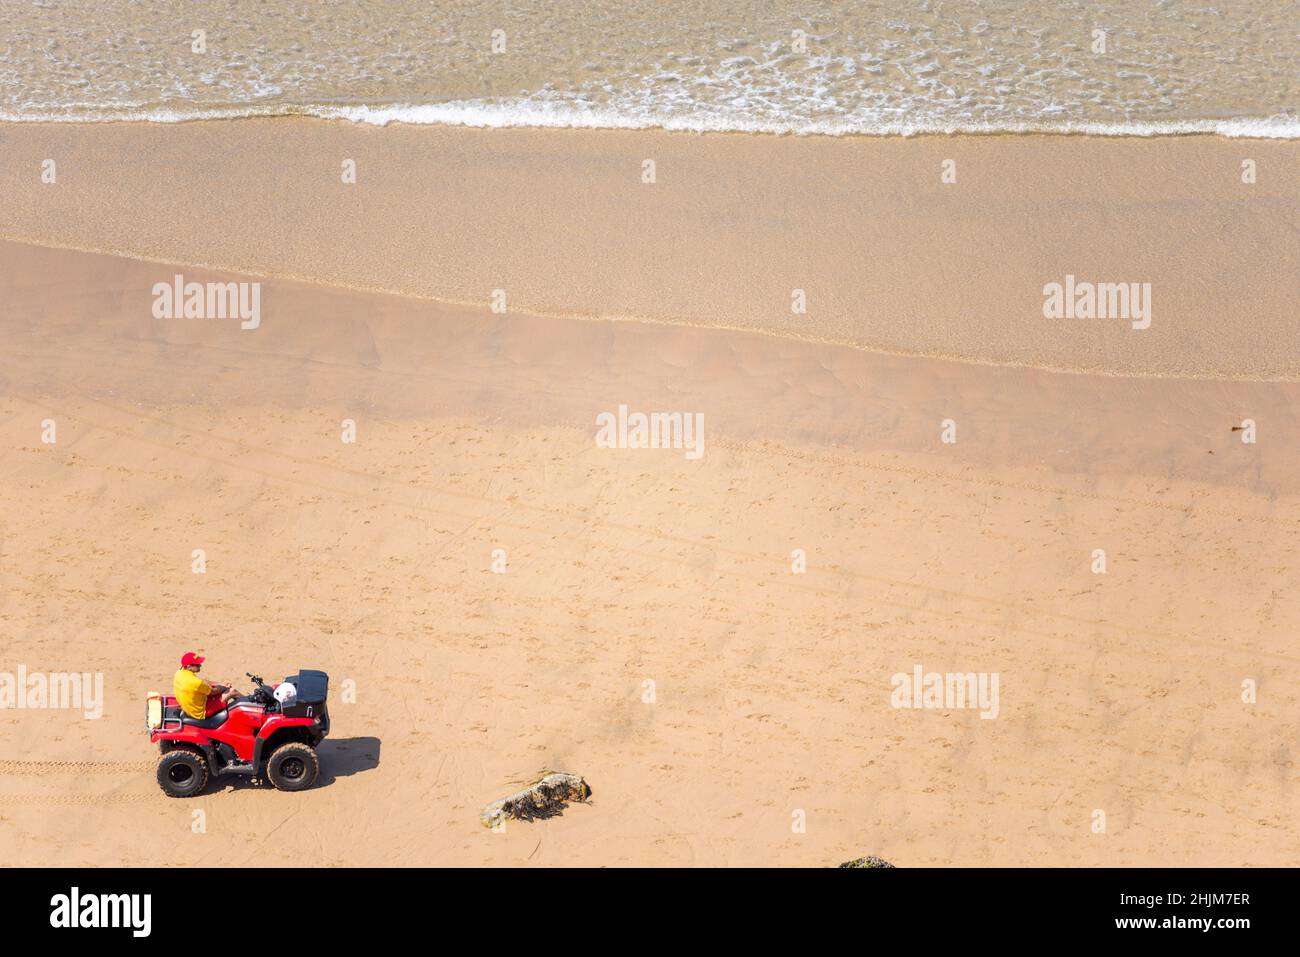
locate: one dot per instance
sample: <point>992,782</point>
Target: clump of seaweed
<point>545,797</point>
<point>866,862</point>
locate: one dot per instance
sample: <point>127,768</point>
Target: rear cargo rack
<point>161,716</point>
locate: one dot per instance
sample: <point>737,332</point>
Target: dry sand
<point>1119,692</point>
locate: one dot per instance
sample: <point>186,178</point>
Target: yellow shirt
<point>191,693</point>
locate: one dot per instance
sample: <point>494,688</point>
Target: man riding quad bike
<point>263,734</point>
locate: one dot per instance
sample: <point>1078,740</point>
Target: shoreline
<point>1269,128</point>
<point>892,261</point>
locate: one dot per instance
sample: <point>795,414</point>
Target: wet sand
<point>887,255</point>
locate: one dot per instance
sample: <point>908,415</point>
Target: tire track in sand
<point>11,768</point>
<point>46,768</point>
<point>81,800</point>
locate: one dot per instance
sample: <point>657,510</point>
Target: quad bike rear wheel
<point>182,773</point>
<point>293,766</point>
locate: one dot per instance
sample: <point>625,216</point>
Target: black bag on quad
<point>313,689</point>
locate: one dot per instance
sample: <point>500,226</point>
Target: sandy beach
<point>1120,692</point>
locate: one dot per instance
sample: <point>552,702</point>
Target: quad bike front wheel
<point>293,766</point>
<point>182,773</point>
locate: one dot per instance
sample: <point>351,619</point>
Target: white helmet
<point>285,692</point>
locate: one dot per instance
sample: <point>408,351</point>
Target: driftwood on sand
<point>544,798</point>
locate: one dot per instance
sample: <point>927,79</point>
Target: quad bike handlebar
<point>264,691</point>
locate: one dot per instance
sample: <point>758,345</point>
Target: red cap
<point>190,658</point>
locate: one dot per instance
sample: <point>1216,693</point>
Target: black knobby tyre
<point>293,766</point>
<point>182,773</point>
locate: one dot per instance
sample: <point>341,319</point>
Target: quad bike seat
<point>208,724</point>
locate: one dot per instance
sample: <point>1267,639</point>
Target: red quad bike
<point>255,735</point>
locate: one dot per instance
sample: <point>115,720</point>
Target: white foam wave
<point>530,112</point>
